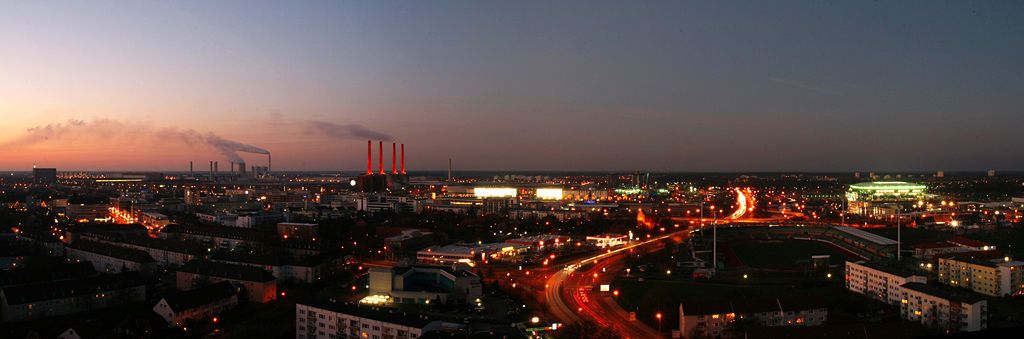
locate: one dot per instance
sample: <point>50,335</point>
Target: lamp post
<point>659,320</point>
<point>899,238</point>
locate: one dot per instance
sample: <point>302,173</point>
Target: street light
<point>659,320</point>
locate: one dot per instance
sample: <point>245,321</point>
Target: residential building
<point>993,277</point>
<point>214,236</point>
<point>943,308</point>
<point>109,258</point>
<point>296,230</point>
<point>712,318</point>
<point>56,298</point>
<point>198,304</point>
<point>327,319</point>
<point>283,267</point>
<point>879,282</point>
<point>258,284</point>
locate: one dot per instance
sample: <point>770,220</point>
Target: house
<point>109,258</point>
<point>201,303</point>
<point>48,299</point>
<point>711,318</point>
<point>257,284</point>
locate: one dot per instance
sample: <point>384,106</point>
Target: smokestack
<point>211,170</point>
<point>216,169</point>
<point>232,168</point>
<point>190,172</point>
<point>268,164</point>
<point>380,149</point>
<point>241,169</point>
<point>369,157</point>
<point>394,162</point>
<point>449,169</point>
<point>403,158</point>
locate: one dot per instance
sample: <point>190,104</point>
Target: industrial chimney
<point>211,170</point>
<point>190,172</point>
<point>369,157</point>
<point>449,169</point>
<point>216,170</point>
<point>380,148</point>
<point>394,162</point>
<point>268,164</point>
<point>241,169</point>
<point>403,158</point>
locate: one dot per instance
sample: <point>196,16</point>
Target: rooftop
<point>17,295</point>
<point>228,271</point>
<point>201,296</point>
<point>388,316</point>
<point>865,235</point>
<point>948,293</point>
<point>112,251</point>
<point>887,185</point>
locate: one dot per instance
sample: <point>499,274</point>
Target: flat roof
<point>887,185</point>
<point>875,238</point>
<point>944,292</point>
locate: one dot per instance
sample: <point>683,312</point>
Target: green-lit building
<point>882,197</point>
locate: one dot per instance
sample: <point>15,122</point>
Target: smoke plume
<point>106,129</point>
<point>348,131</point>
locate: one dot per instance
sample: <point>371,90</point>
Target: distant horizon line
<point>360,172</point>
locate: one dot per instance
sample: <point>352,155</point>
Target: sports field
<point>782,254</point>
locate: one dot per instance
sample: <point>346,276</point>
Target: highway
<point>570,292</point>
<point>585,305</point>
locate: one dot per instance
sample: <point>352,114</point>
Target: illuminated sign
<point>494,192</point>
<point>605,288</point>
<point>549,193</point>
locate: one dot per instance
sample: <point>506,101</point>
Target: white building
<point>378,203</point>
<point>421,283</point>
<point>880,283</point>
<point>469,254</point>
<point>943,308</point>
<point>333,320</point>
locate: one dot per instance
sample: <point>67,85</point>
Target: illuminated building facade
<point>993,277</point>
<point>943,309</point>
<point>328,319</point>
<point>882,197</point>
<point>422,284</point>
<point>879,283</point>
<point>702,319</point>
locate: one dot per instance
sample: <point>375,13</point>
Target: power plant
<point>382,181</point>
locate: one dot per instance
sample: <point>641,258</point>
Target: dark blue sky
<point>681,86</point>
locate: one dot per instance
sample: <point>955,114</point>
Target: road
<point>583,305</point>
<point>570,295</point>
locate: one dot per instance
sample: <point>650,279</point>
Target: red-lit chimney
<point>369,157</point>
<point>380,165</point>
<point>403,158</point>
<point>394,162</point>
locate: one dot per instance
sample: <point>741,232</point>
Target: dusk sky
<point>515,85</point>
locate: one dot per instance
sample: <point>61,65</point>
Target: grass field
<point>780,254</point>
